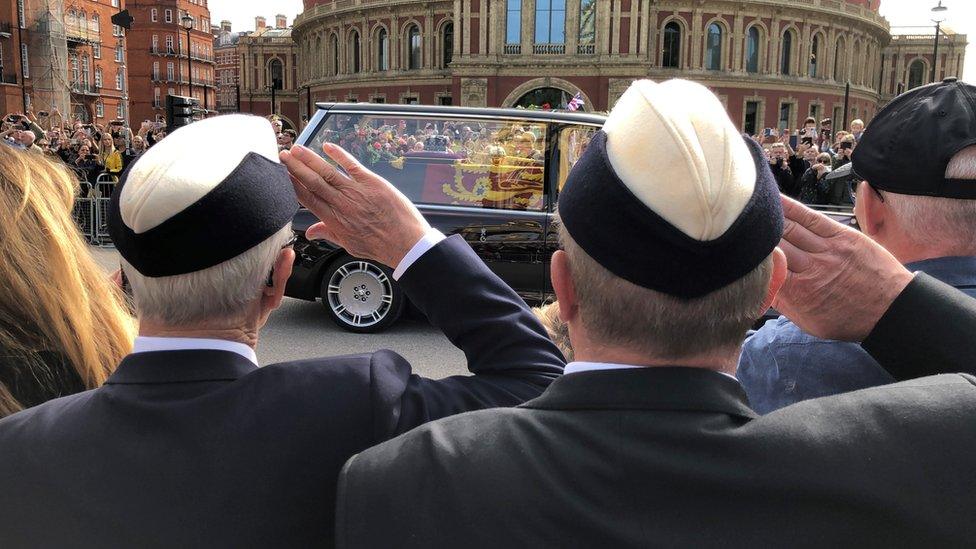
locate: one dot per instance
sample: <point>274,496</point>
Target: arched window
<point>550,21</point>
<point>447,41</point>
<point>786,54</point>
<point>354,51</point>
<point>513,22</point>
<point>72,18</point>
<point>276,74</point>
<point>672,46</point>
<point>414,54</point>
<point>83,20</point>
<point>858,67</point>
<point>916,74</point>
<point>335,55</point>
<point>95,23</point>
<point>840,60</point>
<point>713,48</point>
<point>752,49</point>
<point>382,50</point>
<point>814,56</point>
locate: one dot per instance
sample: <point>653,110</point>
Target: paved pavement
<point>302,329</point>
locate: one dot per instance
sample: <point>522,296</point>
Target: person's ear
<point>776,280</point>
<point>272,295</point>
<point>563,286</point>
<point>870,211</point>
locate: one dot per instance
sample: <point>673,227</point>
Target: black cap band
<point>250,205</point>
<point>630,240</point>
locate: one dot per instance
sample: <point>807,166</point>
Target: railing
<point>513,49</point>
<point>76,33</point>
<point>84,89</point>
<point>586,49</point>
<point>549,49</point>
<point>170,52</point>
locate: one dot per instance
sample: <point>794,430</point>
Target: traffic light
<point>179,111</point>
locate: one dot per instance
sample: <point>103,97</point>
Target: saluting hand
<point>358,210</point>
<point>839,281</point>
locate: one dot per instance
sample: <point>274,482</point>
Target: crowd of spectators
<point>802,160</point>
<point>660,431</point>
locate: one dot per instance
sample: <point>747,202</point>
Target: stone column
<point>528,26</point>
<point>572,26</point>
<point>696,41</point>
<point>483,27</point>
<point>738,41</point>
<point>633,29</point>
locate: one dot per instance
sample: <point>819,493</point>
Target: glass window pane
<point>449,161</point>
<point>587,21</point>
<point>672,45</point>
<point>752,51</point>
<point>713,52</point>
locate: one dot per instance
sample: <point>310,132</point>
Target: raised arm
<point>506,347</point>
<point>842,285</point>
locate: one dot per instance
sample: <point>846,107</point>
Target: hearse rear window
<point>462,162</point>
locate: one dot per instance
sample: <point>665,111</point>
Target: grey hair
<point>617,312</point>
<point>221,292</point>
<point>938,222</point>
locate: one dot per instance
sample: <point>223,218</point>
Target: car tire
<point>360,295</point>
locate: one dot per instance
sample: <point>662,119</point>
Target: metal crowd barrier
<point>91,210</point>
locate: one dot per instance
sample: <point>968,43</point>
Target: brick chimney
<point>281,22</point>
<point>260,23</point>
<point>225,26</point>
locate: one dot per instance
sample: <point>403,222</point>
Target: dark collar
<point>180,367</point>
<point>657,388</point>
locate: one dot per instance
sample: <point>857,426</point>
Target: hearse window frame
<point>547,201</point>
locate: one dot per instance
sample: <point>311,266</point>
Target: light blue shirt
<point>782,365</point>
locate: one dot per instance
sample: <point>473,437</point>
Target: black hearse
<point>490,175</point>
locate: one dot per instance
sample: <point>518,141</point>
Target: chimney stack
<point>225,26</point>
<point>281,21</point>
<point>260,23</point>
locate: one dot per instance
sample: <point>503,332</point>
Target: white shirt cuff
<point>430,239</point>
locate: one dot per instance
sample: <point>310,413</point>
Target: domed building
<point>772,62</point>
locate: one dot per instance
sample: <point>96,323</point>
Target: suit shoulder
<point>33,420</point>
<point>466,433</point>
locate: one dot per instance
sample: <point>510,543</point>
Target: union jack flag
<point>576,103</point>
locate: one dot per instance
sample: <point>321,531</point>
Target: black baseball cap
<point>910,142</point>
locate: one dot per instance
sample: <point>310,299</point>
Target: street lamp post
<point>187,21</point>
<point>938,16</point>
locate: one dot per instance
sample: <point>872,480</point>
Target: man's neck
<point>243,335</point>
<point>719,362</point>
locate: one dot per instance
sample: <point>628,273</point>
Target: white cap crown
<point>176,173</point>
<point>674,147</point>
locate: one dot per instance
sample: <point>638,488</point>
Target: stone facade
<point>265,55</point>
<point>772,62</point>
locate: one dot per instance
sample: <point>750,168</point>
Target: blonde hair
<point>53,296</point>
<point>557,329</point>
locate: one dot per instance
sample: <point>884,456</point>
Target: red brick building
<point>97,74</point>
<point>227,67</point>
<point>12,92</point>
<point>161,60</point>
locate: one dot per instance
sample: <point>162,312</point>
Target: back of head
<point>199,228</point>
<point>669,245</point>
<point>920,151</point>
<point>54,298</point>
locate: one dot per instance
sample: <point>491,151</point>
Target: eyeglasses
<point>291,241</point>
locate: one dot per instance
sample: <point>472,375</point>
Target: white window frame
<point>154,15</point>
<point>97,51</point>
<point>168,15</point>
<point>99,109</point>
<point>98,77</point>
<point>24,61</point>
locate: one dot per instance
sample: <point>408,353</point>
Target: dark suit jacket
<point>675,457</point>
<point>203,449</point>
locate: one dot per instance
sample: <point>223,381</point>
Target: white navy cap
<point>670,196</point>
<point>205,194</point>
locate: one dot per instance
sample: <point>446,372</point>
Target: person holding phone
<point>844,150</point>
